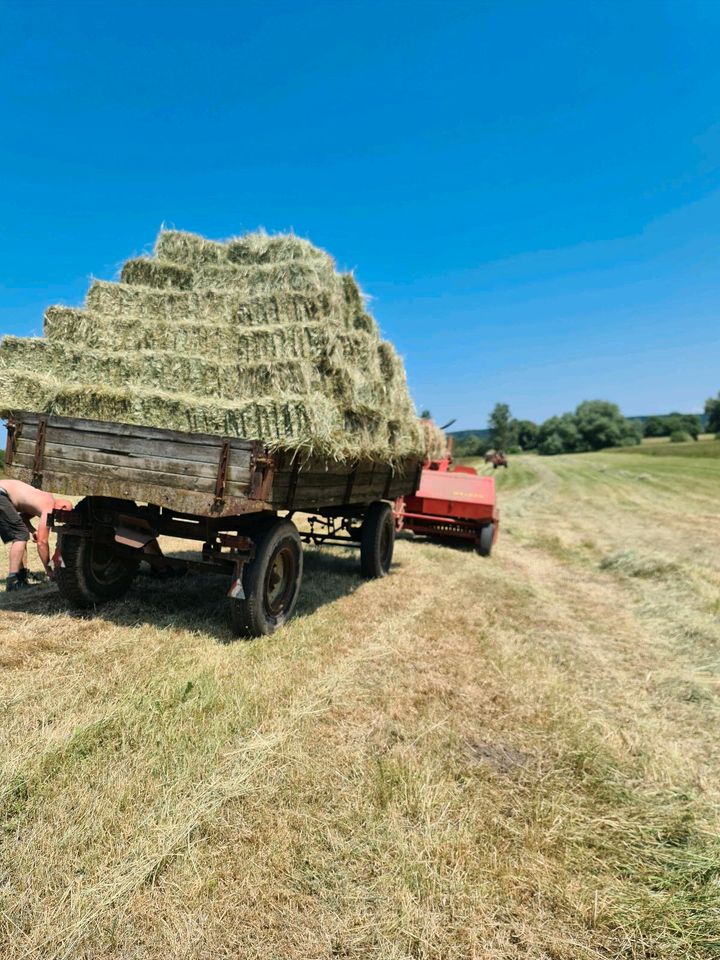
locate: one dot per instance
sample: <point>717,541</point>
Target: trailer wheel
<point>92,572</point>
<point>485,540</point>
<point>271,581</point>
<point>377,540</point>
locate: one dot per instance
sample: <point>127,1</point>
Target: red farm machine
<point>451,502</point>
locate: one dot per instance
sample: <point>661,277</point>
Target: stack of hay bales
<point>435,442</point>
<point>258,337</point>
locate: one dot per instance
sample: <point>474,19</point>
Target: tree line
<point>594,425</point>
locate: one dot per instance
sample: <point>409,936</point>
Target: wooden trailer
<point>233,496</point>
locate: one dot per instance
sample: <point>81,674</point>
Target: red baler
<point>452,502</point>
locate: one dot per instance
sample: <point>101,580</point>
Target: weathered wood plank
<point>237,473</point>
<point>182,501</point>
<point>130,475</point>
<point>127,429</point>
<point>110,443</point>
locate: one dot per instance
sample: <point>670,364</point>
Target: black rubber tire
<point>377,540</point>
<point>267,604</point>
<point>485,543</point>
<point>91,573</point>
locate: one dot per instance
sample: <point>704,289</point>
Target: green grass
<point>522,472</point>
<point>706,446</point>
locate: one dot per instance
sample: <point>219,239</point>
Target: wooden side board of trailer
<point>191,473</point>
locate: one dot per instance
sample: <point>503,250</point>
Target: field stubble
<point>505,758</point>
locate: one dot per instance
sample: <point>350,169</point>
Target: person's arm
<point>28,523</point>
<point>42,539</point>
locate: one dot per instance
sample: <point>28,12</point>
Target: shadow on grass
<point>198,601</point>
<point>454,544</point>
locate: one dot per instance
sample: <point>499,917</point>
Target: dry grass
<point>511,758</point>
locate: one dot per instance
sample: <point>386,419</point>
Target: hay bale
<point>188,249</point>
<point>258,337</point>
<point>261,247</point>
<point>155,273</point>
<point>155,369</point>
<point>434,440</point>
<point>302,421</point>
<point>311,277</point>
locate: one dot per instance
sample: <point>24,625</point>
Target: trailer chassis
<point>102,541</point>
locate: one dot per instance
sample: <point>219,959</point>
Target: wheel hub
<point>280,581</point>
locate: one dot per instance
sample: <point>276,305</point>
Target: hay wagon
<point>233,496</point>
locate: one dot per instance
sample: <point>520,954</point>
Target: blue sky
<point>530,191</point>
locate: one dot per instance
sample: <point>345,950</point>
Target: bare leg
<point>17,551</point>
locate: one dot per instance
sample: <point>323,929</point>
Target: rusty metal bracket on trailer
<point>37,470</point>
<point>13,432</point>
<point>222,476</point>
<point>263,473</point>
<point>132,535</point>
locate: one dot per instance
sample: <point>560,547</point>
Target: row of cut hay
<point>113,302</point>
<point>243,345</point>
<point>310,423</point>
<point>193,251</point>
<point>159,369</point>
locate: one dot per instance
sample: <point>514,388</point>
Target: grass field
<point>505,758</point>
<point>705,446</point>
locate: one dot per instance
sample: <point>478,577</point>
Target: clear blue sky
<point>530,191</point>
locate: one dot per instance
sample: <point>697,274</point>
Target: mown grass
<point>510,758</point>
<point>705,446</point>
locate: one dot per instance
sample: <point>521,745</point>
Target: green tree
<point>594,425</point>
<point>470,446</point>
<point>426,415</point>
<point>712,412</point>
<point>559,435</point>
<point>526,434</point>
<point>601,425</point>
<point>673,423</point>
<point>500,423</point>
<point>655,427</point>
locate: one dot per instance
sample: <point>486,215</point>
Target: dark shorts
<point>11,523</point>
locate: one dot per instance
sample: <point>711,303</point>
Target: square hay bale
<point>266,418</point>
<point>68,323</point>
<point>145,272</point>
<point>111,303</point>
<point>260,247</point>
<point>189,249</point>
<point>155,369</point>
<point>281,276</point>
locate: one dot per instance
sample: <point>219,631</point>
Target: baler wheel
<point>377,540</point>
<point>485,540</point>
<point>271,581</point>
